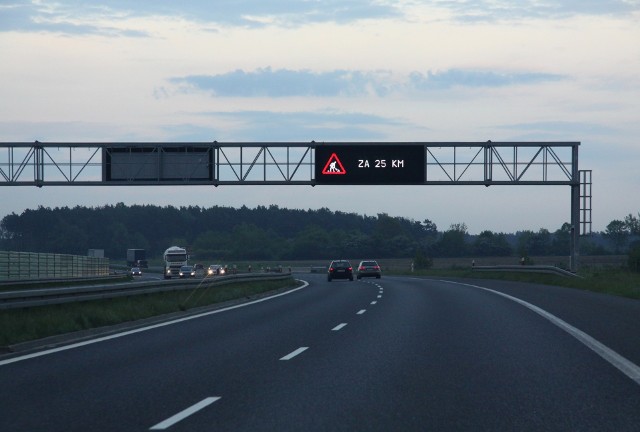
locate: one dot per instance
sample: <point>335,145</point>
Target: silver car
<point>369,268</point>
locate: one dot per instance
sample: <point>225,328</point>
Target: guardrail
<point>51,296</point>
<point>526,269</point>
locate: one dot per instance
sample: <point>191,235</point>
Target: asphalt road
<point>391,354</point>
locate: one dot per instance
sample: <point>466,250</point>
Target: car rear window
<point>341,264</point>
<point>369,263</point>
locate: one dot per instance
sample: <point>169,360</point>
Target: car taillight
<point>376,267</point>
<point>350,268</point>
<point>361,268</point>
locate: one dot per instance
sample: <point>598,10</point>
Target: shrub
<point>634,257</point>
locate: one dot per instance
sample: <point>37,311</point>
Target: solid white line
<point>627,367</point>
<point>339,327</point>
<point>361,311</point>
<point>294,353</point>
<point>374,302</point>
<point>184,414</point>
<point>143,329</point>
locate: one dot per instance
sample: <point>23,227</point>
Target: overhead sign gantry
<point>297,163</point>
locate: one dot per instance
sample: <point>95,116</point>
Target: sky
<point>332,71</point>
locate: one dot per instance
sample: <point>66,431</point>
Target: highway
<point>389,354</point>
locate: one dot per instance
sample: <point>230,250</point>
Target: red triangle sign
<point>334,166</point>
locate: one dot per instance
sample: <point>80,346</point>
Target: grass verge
<point>21,325</point>
<point>608,281</point>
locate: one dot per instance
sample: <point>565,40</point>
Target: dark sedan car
<point>369,268</point>
<point>340,269</point>
<point>187,271</point>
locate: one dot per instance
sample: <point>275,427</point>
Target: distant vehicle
<point>215,270</point>
<point>174,258</point>
<point>137,258</point>
<point>135,271</point>
<point>340,269</point>
<point>187,271</point>
<point>369,268</point>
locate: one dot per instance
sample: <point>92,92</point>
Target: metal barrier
<point>526,269</point>
<point>50,296</point>
<point>20,266</point>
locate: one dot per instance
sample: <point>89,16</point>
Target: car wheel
<point>328,279</point>
<point>351,278</point>
<point>378,277</point>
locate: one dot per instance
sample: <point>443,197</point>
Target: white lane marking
<point>374,302</point>
<point>627,367</point>
<point>142,329</point>
<point>184,414</point>
<point>361,311</point>
<point>379,296</point>
<point>339,327</point>
<point>294,353</point>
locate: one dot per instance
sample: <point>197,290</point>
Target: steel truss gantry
<point>274,163</point>
<point>290,163</point>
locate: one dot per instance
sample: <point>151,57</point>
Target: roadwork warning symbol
<point>334,166</point>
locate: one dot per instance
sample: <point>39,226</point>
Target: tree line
<point>274,233</point>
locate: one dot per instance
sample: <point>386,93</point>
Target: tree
<point>634,256</point>
<point>632,224</point>
<point>561,242</point>
<point>618,234</point>
<point>488,243</point>
<point>453,243</point>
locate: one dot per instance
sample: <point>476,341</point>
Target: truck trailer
<point>137,258</point>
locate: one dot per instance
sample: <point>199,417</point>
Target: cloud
<point>289,83</point>
<point>476,78</point>
<point>81,17</point>
<point>285,83</point>
<point>490,10</point>
<point>72,18</point>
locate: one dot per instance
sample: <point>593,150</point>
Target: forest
<point>274,233</point>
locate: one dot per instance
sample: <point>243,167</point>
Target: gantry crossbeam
<point>274,163</point>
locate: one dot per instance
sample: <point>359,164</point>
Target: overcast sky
<point>338,70</point>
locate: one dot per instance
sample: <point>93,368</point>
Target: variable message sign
<point>370,164</point>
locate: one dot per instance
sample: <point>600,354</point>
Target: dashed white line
<point>361,311</point>
<point>184,414</point>
<point>379,296</point>
<point>374,302</point>
<point>339,327</point>
<point>294,353</point>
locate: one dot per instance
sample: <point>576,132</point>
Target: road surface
<point>397,353</point>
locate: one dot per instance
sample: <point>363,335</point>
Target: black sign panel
<point>157,164</point>
<point>363,164</point>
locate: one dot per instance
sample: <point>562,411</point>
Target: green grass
<point>21,325</point>
<point>618,282</point>
<point>11,286</point>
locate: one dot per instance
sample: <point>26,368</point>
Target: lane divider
<point>339,327</point>
<point>185,413</point>
<point>294,353</point>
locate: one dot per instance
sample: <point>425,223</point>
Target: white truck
<point>174,258</point>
